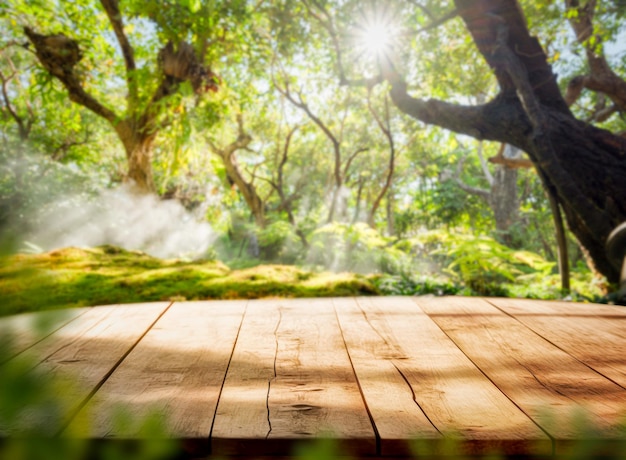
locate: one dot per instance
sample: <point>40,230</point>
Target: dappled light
<point>237,225</point>
<point>481,377</point>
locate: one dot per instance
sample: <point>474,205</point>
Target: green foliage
<point>481,263</point>
<point>30,183</point>
<point>32,403</point>
<point>253,46</point>
<point>357,248</point>
<point>75,277</point>
<point>417,285</point>
<point>277,240</point>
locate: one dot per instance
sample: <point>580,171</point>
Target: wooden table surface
<point>375,373</point>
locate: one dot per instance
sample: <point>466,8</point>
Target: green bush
<point>358,248</point>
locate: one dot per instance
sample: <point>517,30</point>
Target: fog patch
<point>119,217</point>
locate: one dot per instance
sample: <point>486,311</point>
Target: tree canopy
<point>288,124</point>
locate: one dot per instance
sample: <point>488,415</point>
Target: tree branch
<point>485,194</point>
<point>61,151</point>
<point>483,164</point>
<point>327,23</point>
<point>59,55</point>
<point>473,190</point>
<point>23,126</point>
<point>601,77</point>
<point>283,160</point>
<point>511,163</point>
<point>111,7</point>
<point>440,21</point>
<point>386,129</point>
<point>351,158</point>
<point>556,175</point>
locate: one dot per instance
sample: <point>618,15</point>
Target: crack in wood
<point>516,404</point>
<point>269,382</point>
<point>61,325</point>
<point>414,396</point>
<point>554,344</point>
<point>75,339</point>
<point>396,351</point>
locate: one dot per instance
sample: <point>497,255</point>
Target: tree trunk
<point>584,165</point>
<point>504,201</point>
<point>138,148</point>
<point>247,189</point>
<point>391,220</point>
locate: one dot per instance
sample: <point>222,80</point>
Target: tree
<point>502,194</point>
<point>581,165</point>
<point>152,78</point>
<point>235,175</point>
<point>336,135</point>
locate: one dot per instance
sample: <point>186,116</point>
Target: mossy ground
<point>74,277</point>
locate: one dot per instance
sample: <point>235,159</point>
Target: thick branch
<point>468,120</point>
<point>542,142</point>
<point>482,18</point>
<point>59,56</point>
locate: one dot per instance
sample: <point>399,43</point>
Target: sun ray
<point>376,32</point>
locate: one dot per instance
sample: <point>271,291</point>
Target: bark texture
<point>582,165</point>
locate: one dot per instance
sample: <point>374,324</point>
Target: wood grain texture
<point>176,372</point>
<point>549,385</point>
<point>20,332</point>
<point>391,402</point>
<point>455,395</point>
<point>375,373</point>
<point>83,352</point>
<point>290,379</point>
<point>593,334</point>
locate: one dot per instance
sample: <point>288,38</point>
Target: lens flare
<point>376,38</point>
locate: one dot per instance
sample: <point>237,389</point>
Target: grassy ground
<point>73,277</point>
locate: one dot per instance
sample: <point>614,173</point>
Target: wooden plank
<point>20,332</point>
<point>593,334</point>
<point>86,350</point>
<point>398,418</point>
<point>176,371</point>
<point>562,308</point>
<point>548,384</point>
<point>290,379</point>
<point>456,397</point>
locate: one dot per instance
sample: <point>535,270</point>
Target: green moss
<point>74,277</point>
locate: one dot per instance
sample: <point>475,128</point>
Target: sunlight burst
<point>377,38</point>
<point>376,33</point>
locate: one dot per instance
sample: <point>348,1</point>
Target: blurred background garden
<point>204,150</point>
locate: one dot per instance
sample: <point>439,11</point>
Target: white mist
<point>119,217</point>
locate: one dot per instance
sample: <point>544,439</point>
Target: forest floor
<point>73,277</point>
<point>104,275</point>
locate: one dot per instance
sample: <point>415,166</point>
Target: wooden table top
<point>375,373</point>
